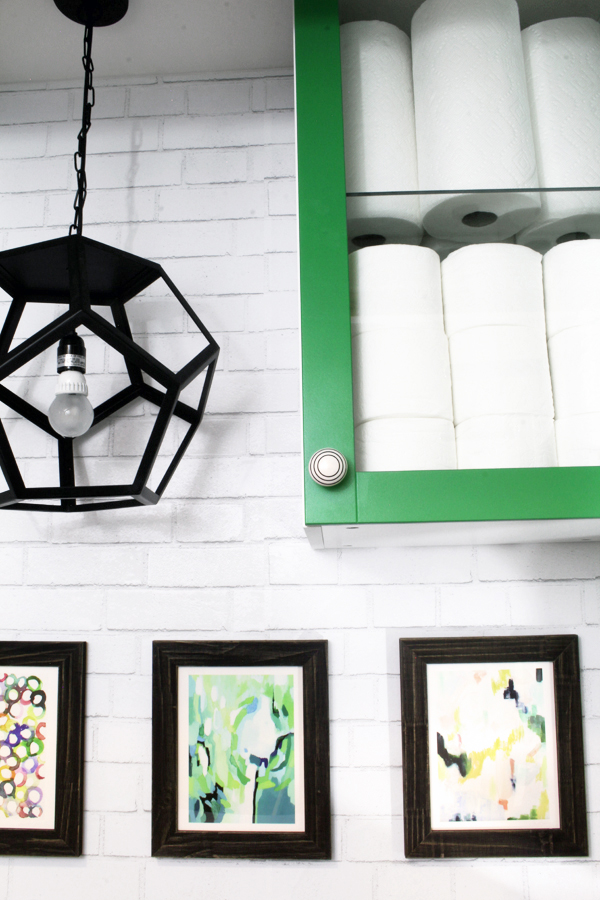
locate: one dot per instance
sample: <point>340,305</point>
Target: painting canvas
<point>28,742</point>
<point>492,746</point>
<point>240,749</point>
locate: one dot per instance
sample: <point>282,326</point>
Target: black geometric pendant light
<point>92,285</point>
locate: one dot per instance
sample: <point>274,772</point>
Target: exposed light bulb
<point>71,414</point>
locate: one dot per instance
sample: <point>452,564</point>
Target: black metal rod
<point>129,349</point>
<point>206,389</point>
<point>8,464</point>
<point>81,507</point>
<point>182,410</point>
<point>114,404</point>
<point>79,492</point>
<point>157,435</point>
<point>173,287</point>
<point>207,356</point>
<point>177,458</point>
<point>39,342</point>
<point>122,323</point>
<point>25,409</point>
<point>66,469</point>
<point>146,497</point>
<point>11,323</point>
<point>190,432</point>
<point>7,500</point>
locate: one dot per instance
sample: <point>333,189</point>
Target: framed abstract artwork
<point>492,745</point>
<point>42,700</point>
<point>240,749</point>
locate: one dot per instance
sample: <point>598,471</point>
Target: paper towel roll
<point>578,440</point>
<point>492,284</point>
<point>506,442</point>
<point>472,119</point>
<point>500,370</point>
<point>379,131</point>
<point>401,372</point>
<point>575,368</point>
<point>562,61</point>
<point>393,445</point>
<point>572,285</point>
<point>399,280</point>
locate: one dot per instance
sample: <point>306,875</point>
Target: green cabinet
<point>388,508</point>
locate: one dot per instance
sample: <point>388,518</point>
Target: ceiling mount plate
<point>93,12</point>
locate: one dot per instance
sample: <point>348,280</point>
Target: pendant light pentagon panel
<point>71,298</point>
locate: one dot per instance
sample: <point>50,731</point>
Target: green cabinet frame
<point>478,495</point>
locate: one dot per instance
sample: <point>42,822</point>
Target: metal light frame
<point>84,274</point>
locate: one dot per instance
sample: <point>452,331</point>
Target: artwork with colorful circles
<point>28,737</point>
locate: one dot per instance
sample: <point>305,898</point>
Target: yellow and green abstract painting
<point>492,746</point>
<point>241,749</point>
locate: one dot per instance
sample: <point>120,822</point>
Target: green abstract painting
<point>492,746</point>
<point>242,747</point>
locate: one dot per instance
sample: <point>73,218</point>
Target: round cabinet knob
<point>327,467</point>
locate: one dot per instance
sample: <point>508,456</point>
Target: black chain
<point>89,98</point>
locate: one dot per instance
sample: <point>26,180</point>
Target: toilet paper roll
<point>562,62</point>
<point>500,370</point>
<point>444,248</point>
<point>472,119</point>
<point>578,440</point>
<point>395,445</point>
<point>399,280</point>
<point>572,285</point>
<point>401,372</point>
<point>506,442</point>
<point>379,131</point>
<point>575,368</point>
<point>492,284</point>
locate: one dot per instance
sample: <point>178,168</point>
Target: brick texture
<point>201,176</point>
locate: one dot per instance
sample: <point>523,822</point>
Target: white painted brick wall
<point>200,176</point>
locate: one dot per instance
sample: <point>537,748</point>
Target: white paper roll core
<point>472,117</point>
<point>379,131</point>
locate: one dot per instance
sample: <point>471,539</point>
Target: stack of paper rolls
<point>473,122</point>
<point>402,393</point>
<point>494,316</point>
<point>572,291</point>
<point>379,133</point>
<point>562,61</point>
<point>444,247</point>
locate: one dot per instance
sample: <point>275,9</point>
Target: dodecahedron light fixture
<point>95,283</point>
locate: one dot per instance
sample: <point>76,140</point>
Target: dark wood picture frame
<point>167,840</point>
<point>420,841</point>
<point>65,839</point>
